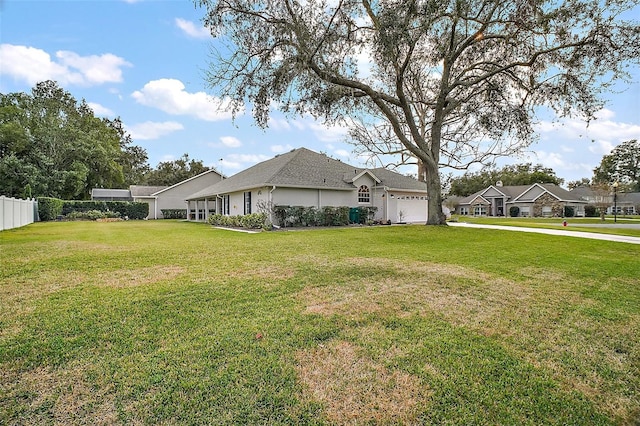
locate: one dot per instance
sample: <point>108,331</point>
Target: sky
<point>145,61</point>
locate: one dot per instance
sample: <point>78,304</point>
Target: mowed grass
<point>166,322</point>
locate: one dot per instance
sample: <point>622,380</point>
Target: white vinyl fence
<point>15,213</point>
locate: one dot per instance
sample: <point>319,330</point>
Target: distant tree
<point>602,197</point>
<point>622,165</point>
<point>171,172</point>
<point>54,146</point>
<point>519,174</point>
<point>444,83</point>
<point>133,158</point>
<point>577,183</point>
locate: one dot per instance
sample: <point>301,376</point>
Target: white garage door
<point>414,208</point>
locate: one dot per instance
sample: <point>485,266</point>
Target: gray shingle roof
<point>513,192</point>
<point>100,193</point>
<point>303,168</point>
<point>144,191</point>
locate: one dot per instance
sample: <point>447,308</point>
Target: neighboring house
<point>303,177</point>
<point>160,197</point>
<point>626,203</point>
<point>537,200</point>
<point>101,194</point>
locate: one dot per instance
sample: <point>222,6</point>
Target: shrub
<point>49,208</point>
<point>569,211</point>
<point>71,206</point>
<point>132,210</point>
<point>92,215</point>
<point>174,213</point>
<point>590,211</point>
<point>309,216</point>
<point>326,216</point>
<point>249,221</point>
<point>253,220</point>
<point>514,211</point>
<point>128,209</point>
<point>366,214</point>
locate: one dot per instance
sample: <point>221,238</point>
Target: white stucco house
<point>306,178</point>
<point>160,197</point>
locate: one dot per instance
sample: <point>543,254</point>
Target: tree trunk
<point>435,216</point>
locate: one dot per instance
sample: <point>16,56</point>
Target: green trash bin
<point>354,215</point>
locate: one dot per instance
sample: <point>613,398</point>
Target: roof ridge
<point>295,153</point>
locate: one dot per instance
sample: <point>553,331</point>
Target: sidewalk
<point>578,234</point>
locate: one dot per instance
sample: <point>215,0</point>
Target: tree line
<point>52,145</point>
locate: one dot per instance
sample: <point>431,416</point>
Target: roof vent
<point>499,184</point>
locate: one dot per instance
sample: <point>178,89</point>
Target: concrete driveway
<point>561,232</point>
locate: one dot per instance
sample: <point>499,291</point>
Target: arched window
<point>363,194</point>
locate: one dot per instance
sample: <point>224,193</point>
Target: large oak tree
<point>449,83</point>
<point>53,145</point>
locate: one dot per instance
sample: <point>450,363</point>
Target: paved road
<point>578,234</point>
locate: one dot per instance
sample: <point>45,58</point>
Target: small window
<point>363,194</point>
<point>225,204</point>
<point>247,203</point>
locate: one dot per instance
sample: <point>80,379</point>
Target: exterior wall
<point>548,206</point>
<point>555,208</point>
<point>174,197</point>
<point>314,197</point>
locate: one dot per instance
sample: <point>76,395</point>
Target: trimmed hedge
<point>51,208</point>
<point>514,211</point>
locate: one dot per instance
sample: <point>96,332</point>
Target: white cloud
<point>342,153</point>
<point>100,110</point>
<point>192,30</point>
<point>601,147</point>
<point>31,65</point>
<point>241,161</point>
<point>603,128</point>
<point>169,95</point>
<point>230,142</point>
<point>278,124</point>
<point>326,133</point>
<point>152,129</point>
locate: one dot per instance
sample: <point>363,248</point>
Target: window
<point>464,211</point>
<point>225,205</point>
<point>363,194</point>
<point>524,211</point>
<point>479,210</point>
<point>247,203</point>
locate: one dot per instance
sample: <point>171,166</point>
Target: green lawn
<point>166,322</point>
